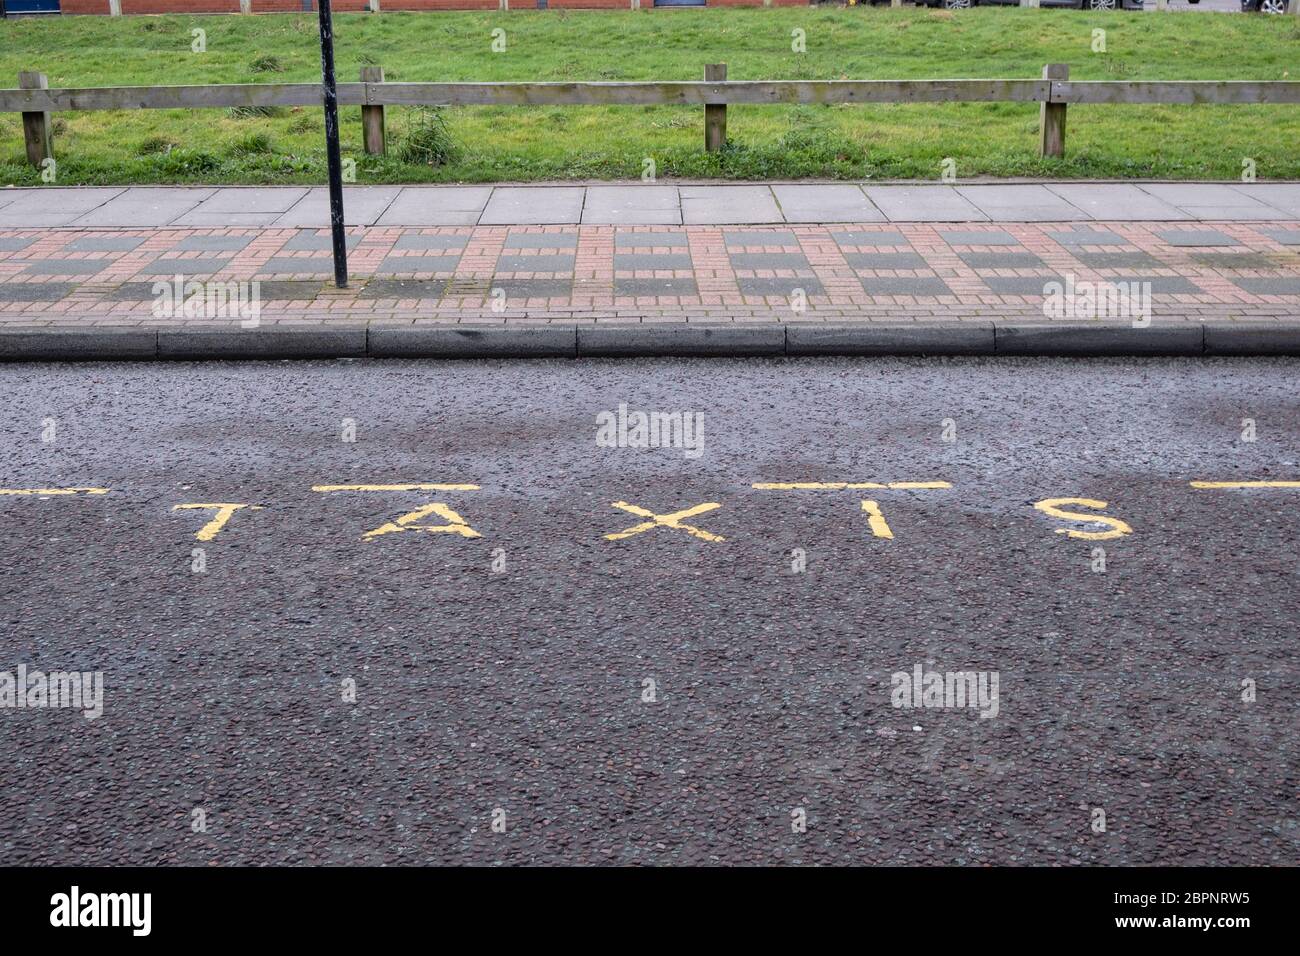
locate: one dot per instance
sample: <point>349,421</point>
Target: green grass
<point>514,143</point>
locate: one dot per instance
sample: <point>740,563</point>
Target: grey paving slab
<point>15,243</point>
<point>642,239</point>
<point>188,267</point>
<point>1284,197</point>
<point>34,291</point>
<point>1236,260</point>
<point>1288,237</point>
<point>317,241</point>
<point>721,205</point>
<point>362,205</point>
<point>777,286</point>
<point>758,237</point>
<point>403,289</point>
<point>417,263</point>
<point>436,206</point>
<point>282,265</point>
<point>542,240</point>
<point>1022,202</point>
<point>768,260</point>
<point>212,243</point>
<point>538,262</point>
<point>1132,259</point>
<point>978,237</point>
<point>902,285</point>
<point>414,240</point>
<point>1000,260</point>
<point>1196,237</point>
<point>1278,285</point>
<point>253,199</point>
<point>144,207</point>
<point>225,220</point>
<point>67,267</point>
<point>1161,285</point>
<point>1020,285</point>
<point>132,292</point>
<point>54,206</point>
<point>1210,201</point>
<point>885,260</point>
<point>104,244</point>
<point>533,205</point>
<point>655,287</point>
<point>647,260</point>
<point>884,237</point>
<point>826,203</point>
<point>1088,236</point>
<point>632,205</point>
<point>532,288</point>
<point>289,290</point>
<point>243,206</point>
<point>1119,202</point>
<point>924,204</point>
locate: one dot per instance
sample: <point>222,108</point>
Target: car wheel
<point>1102,4</point>
<point>1272,6</point>
<point>956,4</point>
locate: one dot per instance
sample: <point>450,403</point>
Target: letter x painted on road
<point>673,520</point>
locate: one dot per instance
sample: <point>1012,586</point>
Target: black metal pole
<point>332,144</point>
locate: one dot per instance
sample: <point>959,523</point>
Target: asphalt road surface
<point>504,678</point>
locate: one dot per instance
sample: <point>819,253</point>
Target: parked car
<point>1076,4</point>
<point>1264,6</point>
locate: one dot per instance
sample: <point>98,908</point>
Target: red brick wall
<point>286,6</point>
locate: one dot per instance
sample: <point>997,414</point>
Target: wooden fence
<point>1054,91</point>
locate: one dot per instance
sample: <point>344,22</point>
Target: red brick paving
<point>468,296</point>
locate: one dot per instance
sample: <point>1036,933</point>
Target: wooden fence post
<point>715,117</point>
<point>1029,3</point>
<point>114,8</point>
<point>245,6</point>
<point>373,6</point>
<point>1162,4</point>
<point>372,117</point>
<point>36,126</point>
<point>1051,116</point>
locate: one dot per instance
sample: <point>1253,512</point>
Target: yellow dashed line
<point>846,485</point>
<point>416,486</point>
<point>53,491</point>
<point>1244,484</point>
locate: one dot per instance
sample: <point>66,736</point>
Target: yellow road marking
<point>224,511</point>
<point>1244,484</point>
<point>415,486</point>
<point>846,485</point>
<point>456,524</point>
<point>673,520</point>
<point>53,491</point>
<point>876,520</point>
<point>1050,506</point>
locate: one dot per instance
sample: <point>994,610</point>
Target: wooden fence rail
<point>1054,91</point>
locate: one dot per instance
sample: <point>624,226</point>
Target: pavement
<point>982,256</point>
<point>688,692</point>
